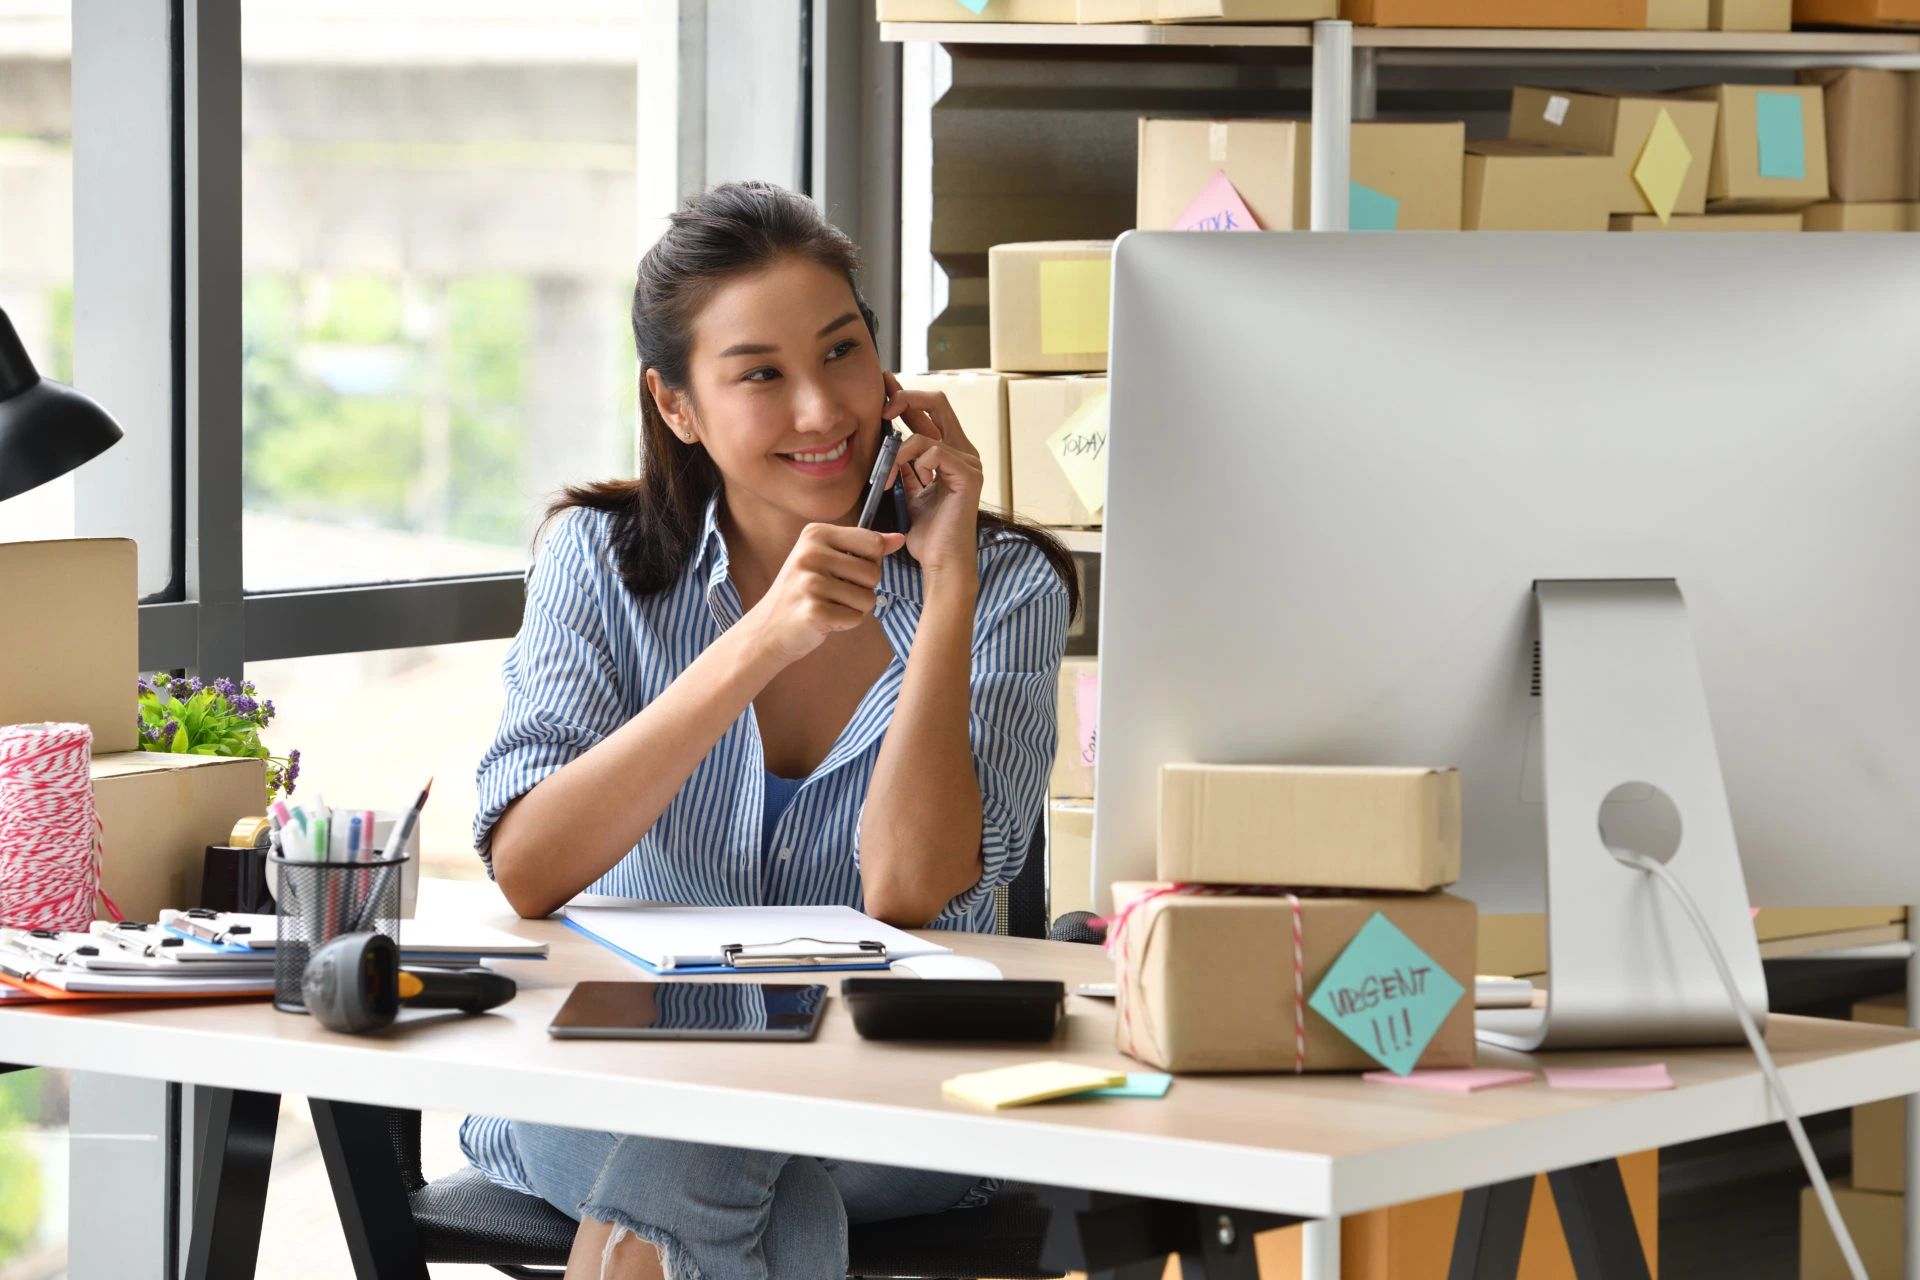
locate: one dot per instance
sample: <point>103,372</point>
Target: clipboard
<point>761,957</point>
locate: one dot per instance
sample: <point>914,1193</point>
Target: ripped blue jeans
<point>720,1213</point>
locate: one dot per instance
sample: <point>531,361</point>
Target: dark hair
<point>731,230</point>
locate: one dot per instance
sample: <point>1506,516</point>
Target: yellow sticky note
<point>1662,166</point>
<point>1079,445</point>
<point>1029,1082</point>
<point>1073,305</point>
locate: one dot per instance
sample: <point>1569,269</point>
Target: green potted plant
<point>187,717</point>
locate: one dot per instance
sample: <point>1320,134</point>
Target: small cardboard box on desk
<point>158,813</point>
<point>1266,981</point>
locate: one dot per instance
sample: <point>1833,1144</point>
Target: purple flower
<point>226,688</point>
<point>168,729</point>
<point>192,685</point>
<point>293,768</point>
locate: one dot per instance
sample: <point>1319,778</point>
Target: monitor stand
<point>1628,750</point>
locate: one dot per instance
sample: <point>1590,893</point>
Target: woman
<point>725,693</point>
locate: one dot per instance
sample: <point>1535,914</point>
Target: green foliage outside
<point>20,1188</point>
<point>459,365</point>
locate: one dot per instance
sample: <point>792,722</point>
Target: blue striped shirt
<point>590,655</point>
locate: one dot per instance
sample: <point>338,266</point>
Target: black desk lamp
<point>46,428</point>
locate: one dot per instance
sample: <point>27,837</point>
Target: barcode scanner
<point>355,984</point>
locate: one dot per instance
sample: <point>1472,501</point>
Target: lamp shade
<point>46,428</point>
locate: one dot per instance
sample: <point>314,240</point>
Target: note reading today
<point>1386,995</point>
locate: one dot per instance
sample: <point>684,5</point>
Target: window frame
<point>181,315</point>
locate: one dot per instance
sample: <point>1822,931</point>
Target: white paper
<point>680,937</point>
<point>1217,141</point>
<point>1556,112</point>
<point>417,937</point>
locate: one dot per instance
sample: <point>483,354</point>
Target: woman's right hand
<point>826,585</point>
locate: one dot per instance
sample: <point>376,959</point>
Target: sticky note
<point>974,6</point>
<point>1782,129</point>
<point>1086,707</point>
<point>1651,1076</point>
<point>1662,167</point>
<point>1464,1080</point>
<point>1386,995</point>
<point>1140,1084</point>
<point>1370,210</point>
<point>1556,112</point>
<point>1030,1082</point>
<point>1218,207</point>
<point>1079,445</point>
<point>1073,305</point>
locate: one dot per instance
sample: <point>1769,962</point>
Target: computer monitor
<point>1340,464</point>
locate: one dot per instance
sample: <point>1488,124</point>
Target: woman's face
<point>786,391</point>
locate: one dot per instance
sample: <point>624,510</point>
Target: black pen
<point>882,468</point>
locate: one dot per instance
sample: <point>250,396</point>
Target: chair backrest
<point>1026,897</point>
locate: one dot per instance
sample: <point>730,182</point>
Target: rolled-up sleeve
<point>1020,633</point>
<point>563,691</point>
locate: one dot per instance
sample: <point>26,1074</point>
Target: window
<point>36,224</point>
<point>441,213</point>
<point>372,727</point>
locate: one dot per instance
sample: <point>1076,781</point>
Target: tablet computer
<point>690,1011</point>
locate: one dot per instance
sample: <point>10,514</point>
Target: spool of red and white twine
<point>49,830</point>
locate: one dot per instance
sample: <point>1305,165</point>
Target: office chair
<point>464,1217</point>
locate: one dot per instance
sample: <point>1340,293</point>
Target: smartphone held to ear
<point>877,482</point>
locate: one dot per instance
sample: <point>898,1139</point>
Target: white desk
<point>1314,1146</point>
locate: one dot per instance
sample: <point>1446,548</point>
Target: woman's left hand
<point>943,477</point>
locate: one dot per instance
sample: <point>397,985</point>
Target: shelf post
<point>1332,122</point>
<point>1911,1208</point>
<point>1366,83</point>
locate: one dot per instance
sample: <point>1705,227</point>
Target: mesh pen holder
<point>317,902</point>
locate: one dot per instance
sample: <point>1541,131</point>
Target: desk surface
<point>1314,1145</point>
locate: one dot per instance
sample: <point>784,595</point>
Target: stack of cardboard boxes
<point>1873,149</point>
<point>69,651</point>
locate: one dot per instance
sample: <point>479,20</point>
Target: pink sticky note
<point>1651,1076</point>
<point>1218,207</point>
<point>1460,1080</point>
<point>1086,706</point>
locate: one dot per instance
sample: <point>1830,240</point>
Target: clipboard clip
<point>801,953</point>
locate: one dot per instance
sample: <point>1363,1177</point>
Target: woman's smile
<point>822,462</point>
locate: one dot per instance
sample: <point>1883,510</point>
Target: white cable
<point>1659,871</point>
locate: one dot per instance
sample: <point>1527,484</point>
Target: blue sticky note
<point>974,5</point>
<point>1140,1084</point>
<point>1386,995</point>
<point>1782,129</point>
<point>1370,210</point>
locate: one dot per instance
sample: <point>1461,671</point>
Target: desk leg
<point>1594,1213</point>
<point>1118,1237</point>
<point>381,1237</point>
<point>1493,1227</point>
<point>230,1192</point>
<point>1320,1249</point>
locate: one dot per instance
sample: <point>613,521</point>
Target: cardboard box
<point>1269,163</point>
<point>957,337</point>
<point>1751,15</point>
<point>1707,222</point>
<point>991,11</point>
<point>1678,15</point>
<point>1049,304</point>
<point>1873,132</point>
<point>1207,10</point>
<point>979,400</point>
<point>1344,828</point>
<point>1880,1128</point>
<point>1876,1221</point>
<point>1515,185</point>
<point>1513,944</point>
<point>1035,409</point>
<point>158,814</point>
<point>1832,215</point>
<point>1074,753</point>
<point>1069,857</point>
<point>1516,943</point>
<point>1207,982</point>
<point>1414,1241</point>
<point>1857,13</point>
<point>1618,125</point>
<point>1736,180</point>
<point>70,637</point>
<point>1617,15</point>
